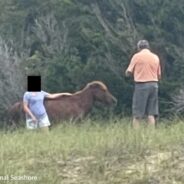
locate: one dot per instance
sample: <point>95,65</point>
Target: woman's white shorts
<point>42,122</point>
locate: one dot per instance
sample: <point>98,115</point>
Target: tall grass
<point>94,153</point>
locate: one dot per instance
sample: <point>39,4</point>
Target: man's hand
<point>128,73</point>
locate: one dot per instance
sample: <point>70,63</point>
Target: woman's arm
<point>56,95</point>
<point>27,110</point>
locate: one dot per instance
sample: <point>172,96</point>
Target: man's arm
<point>129,71</point>
<point>159,72</point>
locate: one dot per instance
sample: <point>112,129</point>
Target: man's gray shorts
<point>145,99</point>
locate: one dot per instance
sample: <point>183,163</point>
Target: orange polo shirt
<point>145,66</point>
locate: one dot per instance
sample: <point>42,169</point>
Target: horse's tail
<point>14,115</point>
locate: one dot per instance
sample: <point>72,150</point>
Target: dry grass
<point>94,153</point>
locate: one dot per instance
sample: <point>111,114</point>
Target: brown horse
<point>70,106</point>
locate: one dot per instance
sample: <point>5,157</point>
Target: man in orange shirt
<point>145,68</point>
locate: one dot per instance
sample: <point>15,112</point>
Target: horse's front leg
<point>79,117</point>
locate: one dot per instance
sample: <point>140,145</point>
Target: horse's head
<point>101,93</point>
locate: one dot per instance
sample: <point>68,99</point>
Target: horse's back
<point>63,108</point>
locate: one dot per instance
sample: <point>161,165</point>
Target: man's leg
<point>136,122</point>
<point>139,103</point>
<point>151,120</point>
<point>152,107</point>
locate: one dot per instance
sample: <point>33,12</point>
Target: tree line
<point>72,42</point>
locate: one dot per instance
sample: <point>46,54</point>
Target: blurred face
<point>34,83</point>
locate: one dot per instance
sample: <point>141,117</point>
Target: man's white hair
<point>143,44</point>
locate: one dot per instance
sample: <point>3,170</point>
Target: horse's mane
<point>101,84</point>
<point>68,95</point>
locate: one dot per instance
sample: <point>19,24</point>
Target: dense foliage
<point>72,42</point>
